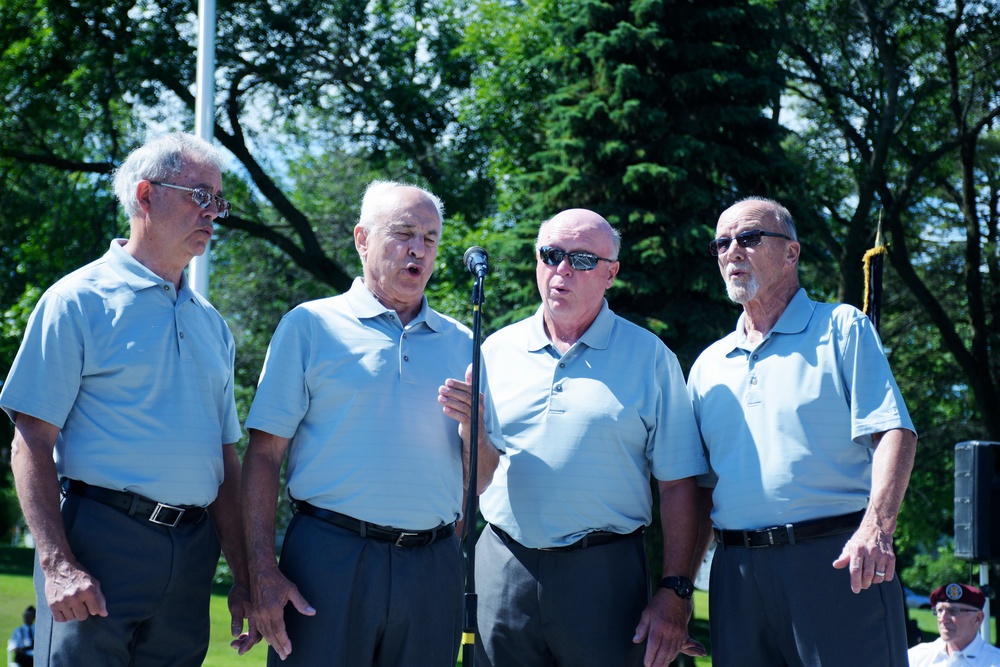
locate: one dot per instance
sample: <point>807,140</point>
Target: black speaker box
<point>977,501</point>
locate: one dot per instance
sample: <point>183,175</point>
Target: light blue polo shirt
<point>356,391</point>
<point>788,424</point>
<point>584,430</point>
<point>138,377</point>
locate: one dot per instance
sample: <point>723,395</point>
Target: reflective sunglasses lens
<point>719,246</point>
<point>749,239</point>
<point>551,256</point>
<point>582,261</point>
<point>201,197</point>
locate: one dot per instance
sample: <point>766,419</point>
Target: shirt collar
<point>366,306</point>
<point>974,648</point>
<point>794,319</point>
<point>138,277</point>
<point>597,336</point>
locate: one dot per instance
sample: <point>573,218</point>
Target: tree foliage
<point>900,99</point>
<point>654,113</point>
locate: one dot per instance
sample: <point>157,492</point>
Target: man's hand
<point>663,625</point>
<point>240,609</point>
<point>272,591</point>
<point>72,593</point>
<point>870,557</point>
<point>455,397</point>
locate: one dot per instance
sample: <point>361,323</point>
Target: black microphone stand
<point>470,624</point>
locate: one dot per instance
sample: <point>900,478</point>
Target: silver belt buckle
<point>162,509</point>
<point>402,535</point>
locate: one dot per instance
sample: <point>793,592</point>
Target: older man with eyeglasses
<point>811,448</point>
<point>959,610</point>
<point>125,424</point>
<point>590,406</point>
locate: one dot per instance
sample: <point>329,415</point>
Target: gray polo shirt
<point>138,377</point>
<point>584,430</point>
<point>356,391</point>
<point>788,423</point>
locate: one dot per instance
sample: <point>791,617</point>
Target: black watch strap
<point>683,586</point>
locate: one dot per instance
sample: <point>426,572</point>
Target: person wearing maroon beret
<point>959,610</point>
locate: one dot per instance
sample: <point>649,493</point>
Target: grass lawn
<point>16,593</point>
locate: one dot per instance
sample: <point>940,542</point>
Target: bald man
<point>811,448</point>
<point>590,406</point>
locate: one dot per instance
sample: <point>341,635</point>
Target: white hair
<point>160,159</point>
<point>378,203</point>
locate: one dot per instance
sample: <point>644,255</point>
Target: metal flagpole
<point>204,120</point>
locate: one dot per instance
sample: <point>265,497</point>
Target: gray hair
<point>378,202</point>
<point>781,214</point>
<point>160,159</point>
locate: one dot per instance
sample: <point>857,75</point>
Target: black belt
<point>135,505</point>
<point>400,538</point>
<point>790,533</point>
<point>592,539</point>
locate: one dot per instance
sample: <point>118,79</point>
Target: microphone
<point>476,261</point>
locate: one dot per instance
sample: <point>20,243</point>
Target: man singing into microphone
<point>360,390</point>
<point>589,406</point>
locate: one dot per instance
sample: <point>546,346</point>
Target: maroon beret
<point>959,593</point>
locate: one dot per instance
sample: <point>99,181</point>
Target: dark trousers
<point>786,606</point>
<point>560,608</point>
<point>157,582</point>
<point>376,604</point>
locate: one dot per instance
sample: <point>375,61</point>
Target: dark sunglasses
<point>748,239</point>
<point>202,198</point>
<point>581,261</point>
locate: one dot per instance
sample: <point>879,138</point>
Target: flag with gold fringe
<point>873,278</point>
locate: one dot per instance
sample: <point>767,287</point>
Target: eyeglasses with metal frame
<point>748,239</point>
<point>202,198</point>
<point>941,610</point>
<point>581,261</point>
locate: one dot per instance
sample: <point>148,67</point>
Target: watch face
<point>681,585</point>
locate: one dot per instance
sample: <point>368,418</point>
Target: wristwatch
<point>680,585</point>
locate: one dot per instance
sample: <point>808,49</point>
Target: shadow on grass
<point>17,560</point>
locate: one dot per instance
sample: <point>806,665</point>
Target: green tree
<point>900,99</point>
<point>374,79</point>
<point>314,99</point>
<point>656,114</point>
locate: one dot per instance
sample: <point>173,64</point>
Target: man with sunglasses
<point>959,611</point>
<point>589,405</point>
<point>811,448</point>
<point>125,424</point>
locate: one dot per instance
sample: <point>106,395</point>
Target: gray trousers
<point>376,604</point>
<point>560,608</point>
<point>157,582</point>
<point>786,606</point>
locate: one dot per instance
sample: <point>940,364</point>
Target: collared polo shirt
<point>138,377</point>
<point>356,392</point>
<point>584,430</point>
<point>787,424</point>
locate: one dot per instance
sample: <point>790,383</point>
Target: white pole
<point>984,580</point>
<point>204,119</point>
